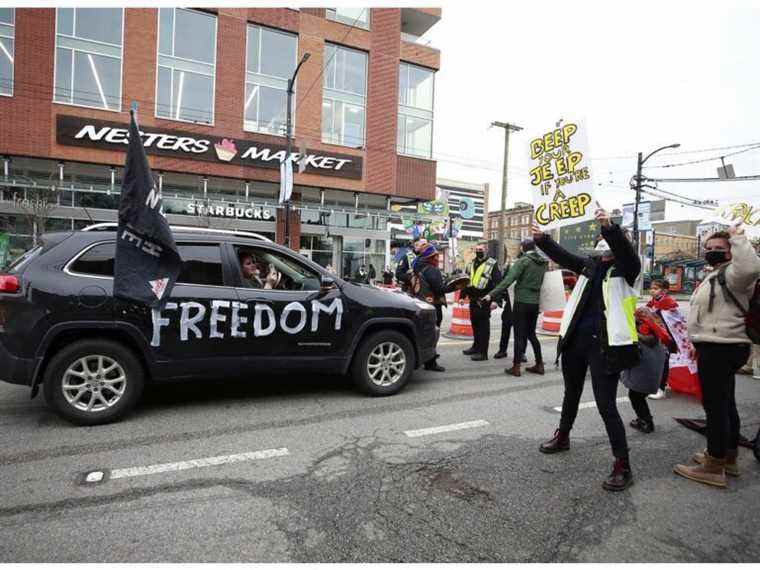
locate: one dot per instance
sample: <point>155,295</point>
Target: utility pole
<point>507,128</point>
<point>289,138</point>
<point>639,164</point>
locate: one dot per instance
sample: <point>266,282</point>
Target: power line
<point>681,152</point>
<point>703,159</point>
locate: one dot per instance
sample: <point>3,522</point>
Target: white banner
<point>286,180</point>
<point>560,175</point>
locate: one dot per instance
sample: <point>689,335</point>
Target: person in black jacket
<point>584,342</point>
<point>506,322</point>
<point>427,285</point>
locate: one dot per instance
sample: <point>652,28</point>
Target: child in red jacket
<point>644,378</point>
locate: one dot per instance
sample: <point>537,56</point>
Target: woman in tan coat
<point>717,330</point>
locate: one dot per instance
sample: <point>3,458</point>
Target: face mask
<point>716,257</point>
<point>480,254</point>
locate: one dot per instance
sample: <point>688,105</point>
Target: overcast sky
<point>644,74</point>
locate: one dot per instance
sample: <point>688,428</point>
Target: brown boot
<point>732,468</point>
<point>712,472</point>
<point>537,369</point>
<point>560,442</point>
<point>514,371</point>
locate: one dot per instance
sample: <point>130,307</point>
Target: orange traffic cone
<point>461,327</point>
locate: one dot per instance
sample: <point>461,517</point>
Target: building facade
<point>210,86</point>
<point>517,222</point>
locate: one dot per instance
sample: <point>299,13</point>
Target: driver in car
<point>252,273</point>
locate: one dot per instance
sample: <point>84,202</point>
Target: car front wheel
<point>383,363</point>
<point>93,382</point>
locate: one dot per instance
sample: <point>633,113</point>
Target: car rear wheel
<point>93,382</point>
<point>383,363</point>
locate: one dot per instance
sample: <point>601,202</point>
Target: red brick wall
<point>27,120</point>
<point>416,178</point>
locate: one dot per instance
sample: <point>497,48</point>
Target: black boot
<point>645,426</point>
<point>500,354</point>
<point>478,357</point>
<point>621,477</point>
<point>470,351</point>
<point>560,442</point>
<point>434,366</point>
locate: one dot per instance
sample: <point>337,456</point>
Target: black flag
<point>147,260</point>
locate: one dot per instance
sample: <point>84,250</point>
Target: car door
<point>192,333</point>
<point>294,319</point>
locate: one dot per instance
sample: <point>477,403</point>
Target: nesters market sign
<point>76,131</point>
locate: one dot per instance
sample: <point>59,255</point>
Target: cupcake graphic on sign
<point>225,150</point>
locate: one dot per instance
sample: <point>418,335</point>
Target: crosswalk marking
<point>585,405</point>
<point>442,429</point>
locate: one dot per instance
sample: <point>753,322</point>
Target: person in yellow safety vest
<point>405,267</point>
<point>598,332</point>
<point>484,274</point>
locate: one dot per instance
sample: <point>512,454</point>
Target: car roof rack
<point>105,226</point>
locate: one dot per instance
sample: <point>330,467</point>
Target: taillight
<point>9,284</point>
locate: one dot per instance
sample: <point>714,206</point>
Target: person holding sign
<point>597,333</point>
<point>528,275</point>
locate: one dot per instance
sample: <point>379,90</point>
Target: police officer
<point>484,274</point>
<point>427,285</point>
<point>404,269</point>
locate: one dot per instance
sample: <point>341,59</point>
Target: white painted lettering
<point>289,308</point>
<point>336,306</point>
<point>185,144</point>
<point>159,322</point>
<point>326,162</point>
<point>154,198</point>
<point>150,138</point>
<point>238,319</point>
<point>341,162</point>
<point>279,156</point>
<point>259,310</point>
<point>201,146</point>
<point>188,322</point>
<point>217,318</point>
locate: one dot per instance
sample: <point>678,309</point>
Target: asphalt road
<point>343,481</point>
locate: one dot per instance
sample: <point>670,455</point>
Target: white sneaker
<point>660,395</point>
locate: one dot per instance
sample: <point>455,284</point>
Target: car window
<point>274,271</point>
<point>201,264</point>
<point>97,260</point>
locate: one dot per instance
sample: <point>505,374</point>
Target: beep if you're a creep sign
<point>560,176</point>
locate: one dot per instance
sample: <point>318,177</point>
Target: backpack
<point>751,313</point>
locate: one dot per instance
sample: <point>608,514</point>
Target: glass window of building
<point>358,17</point>
<point>186,65</point>
<point>270,62</point>
<point>88,57</point>
<point>415,111</point>
<point>344,96</point>
<point>7,43</point>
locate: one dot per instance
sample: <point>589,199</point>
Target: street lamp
<point>638,192</point>
<point>289,136</point>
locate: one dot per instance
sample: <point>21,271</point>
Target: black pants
<point>717,365</point>
<point>665,372</point>
<point>480,317</point>
<point>506,326</point>
<point>525,317</point>
<point>582,353</point>
<point>640,406</point>
<point>438,319</point>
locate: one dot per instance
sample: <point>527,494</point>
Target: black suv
<point>61,327</point>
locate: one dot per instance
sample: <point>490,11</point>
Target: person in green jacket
<point>528,275</point>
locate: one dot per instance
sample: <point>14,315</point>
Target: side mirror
<point>326,283</point>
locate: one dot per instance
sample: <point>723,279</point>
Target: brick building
<point>516,226</point>
<point>210,85</point>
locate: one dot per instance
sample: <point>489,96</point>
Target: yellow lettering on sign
<point>551,140</point>
<point>572,207</point>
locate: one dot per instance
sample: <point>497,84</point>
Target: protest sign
<point>746,213</point>
<point>560,176</point>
